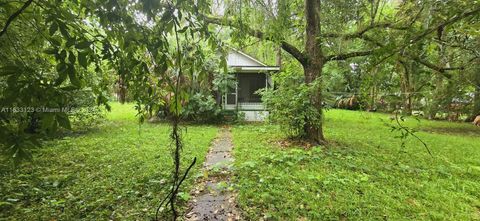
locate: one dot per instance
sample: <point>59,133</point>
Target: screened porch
<point>244,96</point>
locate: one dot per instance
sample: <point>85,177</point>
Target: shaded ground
<point>213,198</point>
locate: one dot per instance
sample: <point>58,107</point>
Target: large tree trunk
<point>312,67</point>
<point>314,130</point>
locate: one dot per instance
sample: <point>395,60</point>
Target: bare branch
<point>13,16</point>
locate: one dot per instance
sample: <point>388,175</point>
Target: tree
<point>368,18</point>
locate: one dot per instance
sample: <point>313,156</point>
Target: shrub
<point>202,108</point>
<point>290,104</point>
<point>84,110</point>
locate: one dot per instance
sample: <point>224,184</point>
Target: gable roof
<point>237,58</point>
<point>243,62</point>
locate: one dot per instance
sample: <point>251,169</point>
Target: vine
<point>405,131</point>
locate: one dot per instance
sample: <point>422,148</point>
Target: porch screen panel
<point>248,84</point>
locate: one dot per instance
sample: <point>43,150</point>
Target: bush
<point>84,110</point>
<point>202,108</point>
<point>290,104</point>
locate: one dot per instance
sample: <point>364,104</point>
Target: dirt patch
<point>292,143</point>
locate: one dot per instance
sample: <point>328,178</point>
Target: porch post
<point>236,92</point>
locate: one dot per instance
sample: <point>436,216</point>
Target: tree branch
<point>361,32</point>
<point>431,30</point>
<point>432,66</point>
<point>339,57</point>
<point>291,49</point>
<point>413,40</point>
<point>14,15</point>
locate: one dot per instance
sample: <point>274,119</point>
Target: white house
<point>251,75</point>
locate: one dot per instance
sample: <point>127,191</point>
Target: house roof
<point>245,63</point>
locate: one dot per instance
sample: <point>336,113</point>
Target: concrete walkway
<point>213,198</point>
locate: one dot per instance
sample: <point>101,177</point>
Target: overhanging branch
<point>417,38</point>
<point>432,66</point>
<point>340,57</point>
<point>291,49</point>
<point>361,32</point>
<point>427,64</point>
<point>14,15</point>
<point>431,30</point>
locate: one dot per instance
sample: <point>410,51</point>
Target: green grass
<point>363,174</point>
<point>115,171</point>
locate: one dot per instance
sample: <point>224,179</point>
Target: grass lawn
<point>115,171</point>
<point>362,175</point>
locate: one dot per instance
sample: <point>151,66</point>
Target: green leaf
<point>73,76</point>
<point>62,74</point>
<point>184,196</point>
<point>183,30</point>
<point>82,59</point>
<point>64,30</point>
<point>70,42</point>
<point>63,55</point>
<point>55,42</point>
<point>63,120</point>
<point>53,28</point>
<point>61,67</point>
<point>72,58</point>
<point>83,44</point>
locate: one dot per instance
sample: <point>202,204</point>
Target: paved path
<point>213,199</point>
